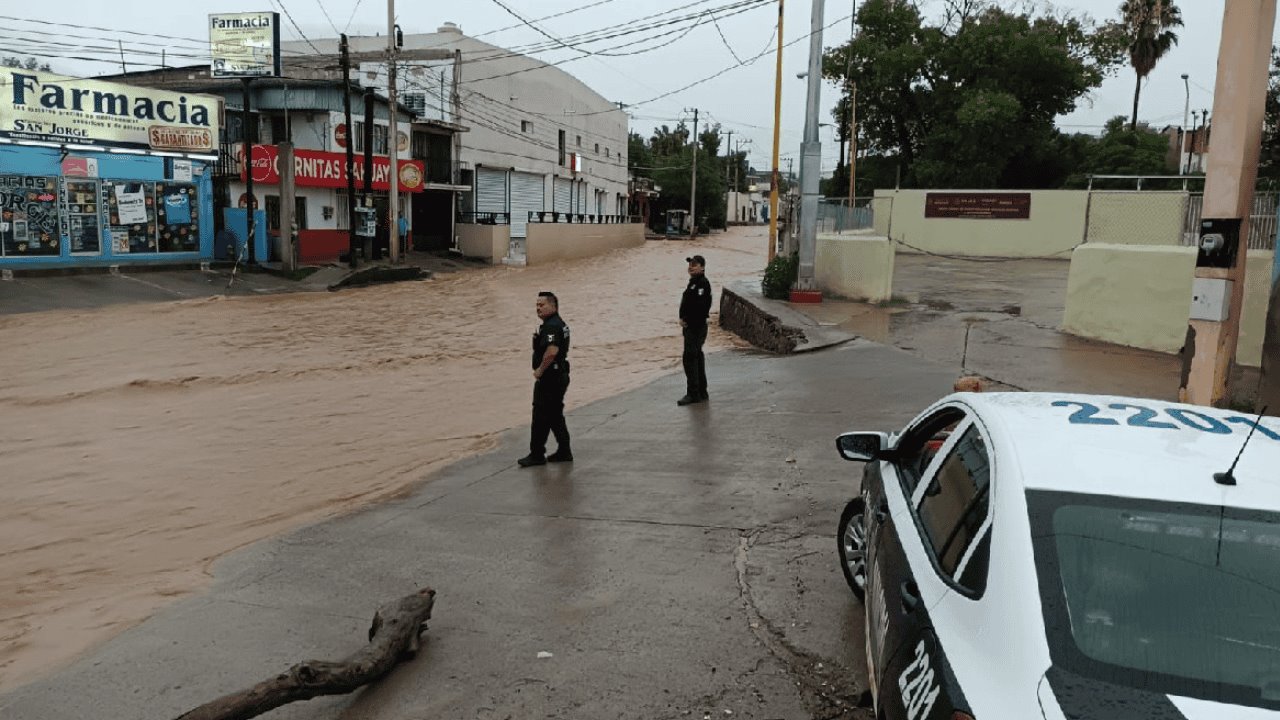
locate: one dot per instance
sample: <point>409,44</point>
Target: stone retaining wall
<point>756,326</point>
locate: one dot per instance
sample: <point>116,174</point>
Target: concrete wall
<point>1140,296</point>
<point>1137,218</point>
<point>858,267</point>
<point>548,242</point>
<point>489,242</point>
<point>1253,320</point>
<point>1056,225</point>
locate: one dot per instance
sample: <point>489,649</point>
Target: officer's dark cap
<point>696,260</point>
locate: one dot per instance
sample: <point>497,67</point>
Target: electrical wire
<point>352,17</point>
<point>325,10</point>
<point>293,22</point>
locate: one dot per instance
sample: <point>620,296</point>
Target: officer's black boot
<point>560,455</point>
<point>689,399</point>
<point>531,460</point>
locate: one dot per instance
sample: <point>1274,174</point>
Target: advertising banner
<point>315,168</point>
<point>245,44</point>
<point>50,108</point>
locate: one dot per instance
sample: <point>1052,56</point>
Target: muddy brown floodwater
<point>140,443</point>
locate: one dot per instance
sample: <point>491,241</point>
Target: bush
<point>780,275</point>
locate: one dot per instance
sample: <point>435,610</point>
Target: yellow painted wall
<point>1137,218</point>
<point>1055,227</point>
<point>858,267</point>
<point>1253,320</point>
<point>548,242</point>
<point>1140,296</point>
<point>1133,295</point>
<point>489,242</point>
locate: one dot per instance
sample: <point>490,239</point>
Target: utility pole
<point>805,289</point>
<point>351,156</point>
<point>1238,106</point>
<point>777,138</point>
<point>367,191</point>
<point>853,107</point>
<point>729,155</point>
<point>1186,110</point>
<point>393,238</point>
<point>249,136</point>
<point>288,203</point>
<point>693,182</point>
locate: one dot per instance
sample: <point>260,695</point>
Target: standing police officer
<point>695,306</point>
<point>551,380</point>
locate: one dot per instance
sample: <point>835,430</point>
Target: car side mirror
<point>863,446</point>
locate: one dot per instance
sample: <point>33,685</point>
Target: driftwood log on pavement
<point>393,636</point>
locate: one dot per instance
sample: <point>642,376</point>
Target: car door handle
<point>910,596</point>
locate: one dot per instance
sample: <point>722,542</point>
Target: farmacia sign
<point>51,108</point>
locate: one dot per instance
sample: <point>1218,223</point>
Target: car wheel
<point>851,540</point>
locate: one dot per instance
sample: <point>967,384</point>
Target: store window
<point>358,144</point>
<point>84,227</point>
<point>28,216</point>
<point>148,217</point>
<point>380,146</point>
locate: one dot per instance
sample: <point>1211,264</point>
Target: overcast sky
<point>741,100</point>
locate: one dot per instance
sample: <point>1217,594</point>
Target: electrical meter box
<point>1218,242</point>
<point>1210,299</point>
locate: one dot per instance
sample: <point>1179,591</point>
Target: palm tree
<point>1148,24</point>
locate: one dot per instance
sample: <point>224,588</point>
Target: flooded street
<point>142,442</point>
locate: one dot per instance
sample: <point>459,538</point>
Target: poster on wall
<point>46,107</point>
<point>182,171</point>
<point>131,204</point>
<point>119,241</point>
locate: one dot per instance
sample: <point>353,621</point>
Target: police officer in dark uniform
<point>695,306</point>
<point>551,380</point>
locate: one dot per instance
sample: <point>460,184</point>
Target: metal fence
<point>836,215</point>
<point>1262,220</point>
<point>484,218</point>
<point>539,216</point>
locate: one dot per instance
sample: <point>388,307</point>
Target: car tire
<point>851,543</point>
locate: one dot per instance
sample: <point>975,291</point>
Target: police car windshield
<point>1173,598</point>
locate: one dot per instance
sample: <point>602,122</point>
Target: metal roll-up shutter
<point>491,190</point>
<point>562,194</point>
<point>580,198</point>
<point>527,193</point>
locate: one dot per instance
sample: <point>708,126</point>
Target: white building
<point>537,139</point>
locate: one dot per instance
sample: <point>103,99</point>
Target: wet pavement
<point>1000,319</point>
<point>684,566</point>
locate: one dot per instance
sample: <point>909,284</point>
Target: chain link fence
<point>837,215</point>
<point>1167,217</point>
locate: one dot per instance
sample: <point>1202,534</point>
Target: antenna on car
<point>1228,477</point>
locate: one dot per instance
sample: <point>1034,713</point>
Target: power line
<point>352,17</point>
<point>332,24</point>
<point>293,22</point>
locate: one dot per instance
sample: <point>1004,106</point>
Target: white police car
<point>1074,557</point>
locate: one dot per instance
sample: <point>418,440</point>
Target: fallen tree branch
<point>393,637</point>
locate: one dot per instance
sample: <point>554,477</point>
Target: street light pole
<point>1186,110</point>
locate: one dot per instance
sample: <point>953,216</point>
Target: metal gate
<point>491,190</point>
<point>562,196</point>
<point>527,193</point>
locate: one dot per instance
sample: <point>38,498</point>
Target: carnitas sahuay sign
<point>316,168</point>
<point>44,107</point>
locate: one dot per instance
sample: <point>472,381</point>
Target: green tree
<point>1120,151</point>
<point>969,101</point>
<point>1148,26</point>
<point>667,158</point>
<point>29,63</point>
<point>1269,160</point>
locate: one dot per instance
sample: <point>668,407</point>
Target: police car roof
<point>1131,447</point>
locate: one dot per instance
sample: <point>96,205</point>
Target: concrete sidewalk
<point>684,566</point>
